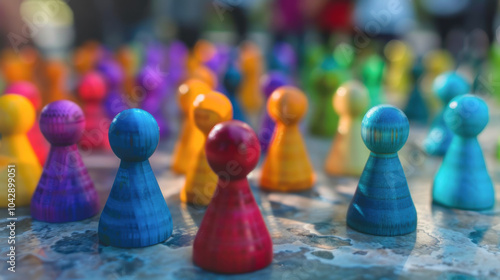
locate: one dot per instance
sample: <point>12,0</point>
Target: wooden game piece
<point>65,192</point>
<point>115,101</point>
<point>208,109</point>
<point>283,59</point>
<point>177,55</point>
<point>129,62</point>
<point>86,57</point>
<point>287,167</point>
<point>13,68</point>
<point>251,65</point>
<point>17,116</point>
<point>202,52</point>
<point>38,143</point>
<point>382,203</point>
<point>92,91</point>
<point>446,87</point>
<point>206,75</point>
<point>398,77</point>
<point>463,181</point>
<point>348,153</point>
<point>435,63</point>
<point>372,74</point>
<point>57,77</point>
<point>190,139</point>
<point>270,82</point>
<point>135,214</point>
<point>232,82</point>
<point>230,249</point>
<point>416,108</point>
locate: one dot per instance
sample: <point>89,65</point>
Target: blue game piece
<point>446,86</point>
<point>136,214</point>
<point>462,181</point>
<point>232,82</point>
<point>382,204</point>
<point>416,108</point>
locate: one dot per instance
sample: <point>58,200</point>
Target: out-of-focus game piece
<point>398,76</point>
<point>435,63</point>
<point>324,119</point>
<point>232,84</point>
<point>208,109</point>
<point>57,78</point>
<point>17,116</point>
<point>65,192</point>
<point>206,75</point>
<point>446,86</point>
<point>115,100</point>
<point>382,203</point>
<point>38,142</point>
<point>272,81</point>
<point>230,249</point>
<point>416,107</point>
<point>463,181</point>
<point>92,91</point>
<point>348,154</point>
<point>287,167</point>
<point>283,59</point>
<point>190,139</point>
<point>86,57</point>
<point>251,68</point>
<point>135,214</point>
<point>372,73</point>
<point>129,62</point>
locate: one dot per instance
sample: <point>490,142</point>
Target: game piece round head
<point>17,114</point>
<point>210,109</point>
<point>188,91</point>
<point>466,115</point>
<point>449,85</point>
<point>272,81</point>
<point>204,50</point>
<point>438,61</point>
<point>351,99</point>
<point>150,80</point>
<point>134,135</point>
<point>28,90</point>
<point>232,79</point>
<point>385,129</point>
<point>56,70</point>
<point>287,105</point>
<point>232,149</point>
<point>250,57</point>
<point>284,57</point>
<point>373,69</point>
<point>112,72</point>
<point>92,87</point>
<point>62,123</point>
<point>344,54</point>
<point>398,52</point>
<point>205,74</point>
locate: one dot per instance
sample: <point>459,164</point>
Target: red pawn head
<point>28,90</point>
<point>92,87</point>
<point>232,149</point>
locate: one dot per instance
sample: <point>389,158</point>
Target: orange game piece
<point>129,62</point>
<point>86,57</point>
<point>190,139</point>
<point>208,110</point>
<point>206,75</point>
<point>250,95</point>
<point>287,167</point>
<point>57,76</point>
<point>17,116</point>
<point>202,52</point>
<point>349,154</point>
<point>14,68</point>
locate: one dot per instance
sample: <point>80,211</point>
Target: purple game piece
<point>270,83</point>
<point>115,101</point>
<point>65,192</point>
<point>284,58</point>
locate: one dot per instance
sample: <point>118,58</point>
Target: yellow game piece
<point>190,139</point>
<point>250,95</point>
<point>435,63</point>
<point>206,75</point>
<point>17,116</point>
<point>400,61</point>
<point>349,154</point>
<point>208,110</point>
<point>287,167</point>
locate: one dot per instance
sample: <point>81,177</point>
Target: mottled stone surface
<point>311,240</point>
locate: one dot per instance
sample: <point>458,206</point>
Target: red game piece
<point>92,91</point>
<point>233,237</point>
<point>38,142</point>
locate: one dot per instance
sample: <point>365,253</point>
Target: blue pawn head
<point>385,129</point>
<point>466,115</point>
<point>134,135</point>
<point>449,85</point>
<point>232,79</point>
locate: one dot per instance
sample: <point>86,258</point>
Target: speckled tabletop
<point>311,240</point>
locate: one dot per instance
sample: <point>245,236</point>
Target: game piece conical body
<point>270,83</point>
<point>190,138</point>
<point>416,108</point>
<point>382,203</point>
<point>92,91</point>
<point>65,192</point>
<point>136,214</point>
<point>208,110</point>
<point>232,82</point>
<point>348,154</point>
<point>115,101</point>
<point>463,181</point>
<point>229,249</point>
<point>446,86</point>
<point>287,167</point>
<point>17,116</point>
<point>373,76</point>
<point>38,143</point>
<point>251,68</point>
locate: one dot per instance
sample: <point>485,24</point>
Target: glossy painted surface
<point>65,192</point>
<point>233,237</point>
<point>382,204</point>
<point>463,181</point>
<point>135,214</point>
<point>17,117</point>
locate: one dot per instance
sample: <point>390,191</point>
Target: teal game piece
<point>416,108</point>
<point>463,181</point>
<point>446,86</point>
<point>136,214</point>
<point>232,82</point>
<point>382,204</point>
